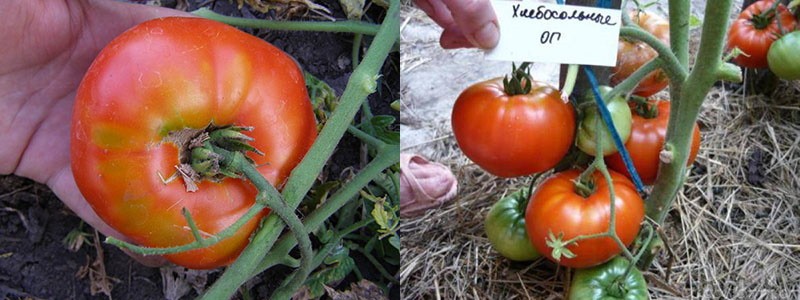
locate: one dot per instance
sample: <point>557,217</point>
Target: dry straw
<point>734,229</point>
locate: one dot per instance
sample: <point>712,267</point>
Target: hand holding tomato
<point>38,79</point>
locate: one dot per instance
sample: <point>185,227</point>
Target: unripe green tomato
<point>505,227</point>
<point>606,282</point>
<point>587,130</point>
<point>784,56</point>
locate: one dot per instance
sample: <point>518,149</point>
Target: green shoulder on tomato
<point>505,227</point>
<point>587,130</point>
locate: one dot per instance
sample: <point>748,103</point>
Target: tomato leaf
<point>340,264</point>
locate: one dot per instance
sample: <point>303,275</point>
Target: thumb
<point>477,21</point>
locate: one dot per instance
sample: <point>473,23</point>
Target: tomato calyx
<point>520,82</point>
<point>644,108</point>
<point>763,19</point>
<point>198,158</point>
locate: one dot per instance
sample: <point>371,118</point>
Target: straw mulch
<point>734,228</point>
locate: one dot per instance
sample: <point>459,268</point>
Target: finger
<point>452,39</point>
<point>438,12</point>
<point>64,186</point>
<point>476,20</point>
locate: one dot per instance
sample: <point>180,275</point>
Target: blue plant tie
<point>626,158</point>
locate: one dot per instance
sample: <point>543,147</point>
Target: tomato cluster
<point>765,33</point>
<point>517,126</point>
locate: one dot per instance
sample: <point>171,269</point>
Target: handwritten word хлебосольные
<point>544,13</point>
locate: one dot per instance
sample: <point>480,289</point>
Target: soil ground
<point>34,264</point>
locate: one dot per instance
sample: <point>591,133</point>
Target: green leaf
<point>395,241</point>
<point>328,276</point>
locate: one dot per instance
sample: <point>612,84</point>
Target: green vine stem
<point>383,160</point>
<point>337,26</point>
<point>675,71</point>
<point>630,83</point>
<point>362,83</point>
<point>599,165</point>
<point>685,108</point>
<point>679,13</point>
<point>272,198</point>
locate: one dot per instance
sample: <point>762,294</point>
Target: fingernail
<point>487,36</point>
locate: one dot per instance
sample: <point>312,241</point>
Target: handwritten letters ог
<point>545,32</point>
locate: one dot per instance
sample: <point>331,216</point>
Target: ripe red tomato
<point>513,135</point>
<point>647,141</point>
<point>166,75</point>
<point>556,207</point>
<point>754,34</point>
<point>632,55</point>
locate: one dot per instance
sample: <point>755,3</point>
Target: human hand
<point>50,45</point>
<point>466,23</point>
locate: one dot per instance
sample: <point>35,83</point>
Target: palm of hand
<point>39,76</point>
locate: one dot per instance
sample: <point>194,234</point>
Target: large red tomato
<point>513,135</point>
<point>632,55</point>
<point>647,141</point>
<point>557,207</point>
<point>754,31</point>
<point>170,74</point>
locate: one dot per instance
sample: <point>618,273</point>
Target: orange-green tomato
<point>632,55</point>
<point>170,74</point>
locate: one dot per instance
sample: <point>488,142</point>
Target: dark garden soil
<point>35,264</point>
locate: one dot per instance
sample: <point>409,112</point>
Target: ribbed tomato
<point>171,74</point>
<point>558,208</point>
<point>756,29</point>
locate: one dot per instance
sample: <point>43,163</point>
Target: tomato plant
<point>164,79</point>
<point>783,56</point>
<point>505,227</point>
<point>587,130</point>
<point>558,208</point>
<point>756,28</point>
<point>609,281</point>
<point>632,55</point>
<point>647,141</point>
<point>513,128</point>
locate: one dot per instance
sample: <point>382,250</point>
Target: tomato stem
<point>630,83</point>
<point>260,254</point>
<point>338,26</point>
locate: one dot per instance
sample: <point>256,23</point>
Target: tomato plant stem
<point>675,71</point>
<point>251,260</point>
<point>630,83</point>
<point>315,219</point>
<point>337,26</point>
<point>679,13</point>
<point>685,108</point>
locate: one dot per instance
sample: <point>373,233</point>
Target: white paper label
<point>546,32</point>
